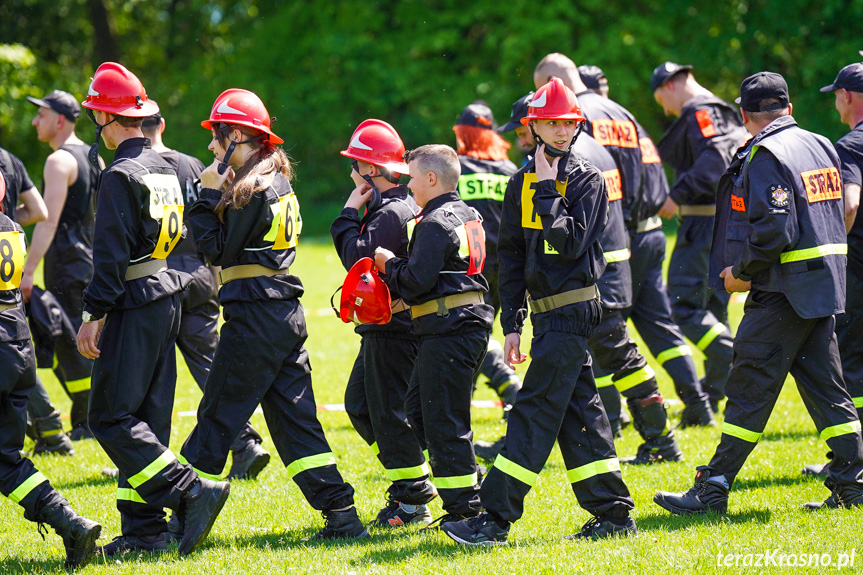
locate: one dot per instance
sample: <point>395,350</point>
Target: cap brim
<point>830,88</point>
<point>509,127</point>
<point>38,102</point>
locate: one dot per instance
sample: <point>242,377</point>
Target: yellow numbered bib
<point>166,207</point>
<point>287,223</point>
<point>529,217</point>
<point>12,251</point>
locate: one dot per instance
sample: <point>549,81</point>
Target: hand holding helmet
<point>382,256</point>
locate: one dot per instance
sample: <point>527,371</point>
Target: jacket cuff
<point>210,194</point>
<point>96,313</point>
<point>350,213</point>
<point>735,271</point>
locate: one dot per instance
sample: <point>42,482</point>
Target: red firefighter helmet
<point>365,297</point>
<point>378,143</point>
<point>236,106</point>
<point>553,101</point>
<point>116,90</point>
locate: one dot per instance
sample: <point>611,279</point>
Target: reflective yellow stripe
<point>204,474</point>
<point>740,433</point>
<point>126,494</point>
<point>673,353</point>
<point>841,429</point>
<point>503,386</point>
<point>426,453</point>
<point>29,484</point>
<point>605,381</point>
<point>78,385</point>
<point>311,462</point>
<point>375,449</point>
<point>161,462</point>
<point>646,373</point>
<point>592,469</point>
<point>50,432</point>
<point>858,402</point>
<point>616,256</point>
<point>708,337</point>
<point>456,481</point>
<point>812,253</point>
<point>515,470</point>
<point>408,472</point>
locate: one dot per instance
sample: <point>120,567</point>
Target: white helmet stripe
<point>224,108</point>
<point>356,143</point>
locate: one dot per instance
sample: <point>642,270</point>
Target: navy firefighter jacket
<point>781,219</point>
<point>549,235</point>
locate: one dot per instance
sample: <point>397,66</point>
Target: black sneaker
<point>248,462</point>
<point>489,451</point>
<point>605,526</point>
<point>395,515</point>
<point>345,525</point>
<point>199,508</point>
<point>704,496</point>
<point>831,502</point>
<point>125,544</point>
<point>697,415</point>
<point>659,450</point>
<point>816,469</point>
<point>479,530</point>
<point>447,518</point>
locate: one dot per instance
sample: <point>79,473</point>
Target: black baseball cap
<point>61,102</point>
<point>664,72</point>
<point>849,78</point>
<point>761,86</point>
<point>519,111</point>
<point>592,76</point>
<point>477,115</point>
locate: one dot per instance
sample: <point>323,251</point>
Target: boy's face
<point>555,133</point>
<point>419,184</point>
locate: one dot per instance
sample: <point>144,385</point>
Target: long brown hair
<point>480,143</point>
<point>256,174</point>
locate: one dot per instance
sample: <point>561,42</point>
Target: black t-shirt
<point>17,181</point>
<point>850,150</point>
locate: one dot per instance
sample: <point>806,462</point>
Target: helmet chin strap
<point>551,150</point>
<point>93,154</point>
<point>376,199</point>
<point>223,163</point>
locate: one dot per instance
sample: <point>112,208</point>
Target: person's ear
<point>374,171</point>
<point>432,179</point>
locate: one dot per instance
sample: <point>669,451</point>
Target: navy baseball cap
<point>519,111</point>
<point>761,86</point>
<point>664,72</point>
<point>592,76</point>
<point>477,115</point>
<point>61,102</point>
<point>849,78</point>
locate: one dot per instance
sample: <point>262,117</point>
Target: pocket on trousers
<point>756,365</point>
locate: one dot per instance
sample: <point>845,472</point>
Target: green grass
<point>264,523</point>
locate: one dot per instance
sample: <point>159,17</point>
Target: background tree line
<point>321,68</point>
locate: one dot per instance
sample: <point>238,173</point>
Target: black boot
<point>199,508</point>
<point>50,437</point>
<point>651,420</point>
<point>698,415</point>
<point>79,533</point>
<point>249,461</point>
<point>818,469</point>
<point>344,524</point>
<point>488,451</point>
<point>704,496</point>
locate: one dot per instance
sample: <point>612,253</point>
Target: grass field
<point>264,524</point>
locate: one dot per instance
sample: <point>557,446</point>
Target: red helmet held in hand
<point>116,90</point>
<point>244,108</point>
<point>365,297</point>
<point>377,143</point>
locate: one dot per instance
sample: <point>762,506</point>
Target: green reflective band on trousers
<point>408,472</point>
<point>646,373</point>
<point>515,470</point>
<point>204,474</point>
<point>673,353</point>
<point>456,481</point>
<point>126,494</point>
<point>29,484</point>
<point>50,432</point>
<point>740,433</point>
<point>858,402</point>
<point>375,449</point>
<point>708,337</point>
<point>841,429</point>
<point>153,469</point>
<point>812,253</point>
<point>616,256</point>
<point>310,462</point>
<point>605,381</point>
<point>592,469</point>
<point>78,385</point>
<point>482,186</point>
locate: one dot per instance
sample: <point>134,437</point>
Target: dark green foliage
<point>321,68</point>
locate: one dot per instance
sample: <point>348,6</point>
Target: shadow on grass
<point>22,565</point>
<point>669,522</point>
<point>774,481</point>
<point>788,435</point>
<point>88,481</point>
